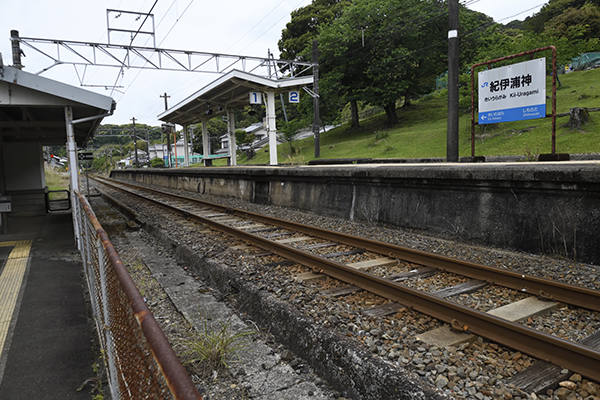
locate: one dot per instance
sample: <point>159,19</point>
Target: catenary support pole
<point>453,70</point>
<point>316,114</point>
<point>73,171</point>
<point>186,150</point>
<point>135,148</point>
<point>271,128</point>
<point>16,50</point>
<point>205,144</point>
<point>231,131</point>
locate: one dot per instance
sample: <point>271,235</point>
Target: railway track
<point>388,265</point>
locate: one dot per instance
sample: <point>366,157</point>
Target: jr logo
<point>484,85</point>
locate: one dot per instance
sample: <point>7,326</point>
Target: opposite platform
<point>45,340</point>
<point>541,208</point>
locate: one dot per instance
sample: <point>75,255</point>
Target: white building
<point>259,130</point>
<point>177,153</point>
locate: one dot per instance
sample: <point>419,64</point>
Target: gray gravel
<point>472,371</point>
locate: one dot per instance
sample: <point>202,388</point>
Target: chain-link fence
<point>140,362</point>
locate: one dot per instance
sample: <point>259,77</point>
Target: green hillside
<point>421,132</point>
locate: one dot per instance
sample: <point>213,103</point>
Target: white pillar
<point>186,150</point>
<point>271,128</point>
<point>231,132</point>
<point>73,171</point>
<point>205,143</point>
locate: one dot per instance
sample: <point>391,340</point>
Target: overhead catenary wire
<point>164,38</point>
<point>130,42</point>
<point>185,86</point>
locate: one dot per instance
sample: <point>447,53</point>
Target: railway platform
<point>45,341</point>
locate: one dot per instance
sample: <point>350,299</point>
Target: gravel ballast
<point>372,357</point>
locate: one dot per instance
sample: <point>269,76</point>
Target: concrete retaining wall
<point>544,208</point>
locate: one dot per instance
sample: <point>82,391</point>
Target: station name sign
<point>513,93</point>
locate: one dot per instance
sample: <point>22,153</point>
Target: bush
<point>157,163</point>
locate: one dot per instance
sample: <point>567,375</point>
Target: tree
<point>296,44</point>
<point>289,130</point>
<point>216,127</point>
<point>508,44</point>
<point>550,10</point>
<point>382,51</point>
<point>298,35</point>
<point>576,23</point>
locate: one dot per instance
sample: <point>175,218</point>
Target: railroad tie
<point>531,306</point>
<point>542,375</point>
<point>377,262</point>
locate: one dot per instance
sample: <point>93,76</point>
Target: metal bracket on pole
<point>312,94</point>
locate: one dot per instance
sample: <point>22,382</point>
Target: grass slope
<point>421,132</point>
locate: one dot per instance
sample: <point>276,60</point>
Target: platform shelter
<point>36,111</point>
<point>222,96</point>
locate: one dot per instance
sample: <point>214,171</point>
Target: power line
<point>184,83</point>
<point>132,38</point>
<point>258,23</point>
<point>173,26</point>
<point>267,30</point>
<point>142,24</point>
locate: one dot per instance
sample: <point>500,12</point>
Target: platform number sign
<point>255,98</point>
<point>294,96</point>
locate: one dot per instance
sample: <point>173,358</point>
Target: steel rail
<point>544,288</point>
<point>578,358</point>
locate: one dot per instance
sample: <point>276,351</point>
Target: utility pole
<point>164,96</point>
<point>316,116</point>
<point>453,70</point>
<point>16,50</point>
<point>137,165</point>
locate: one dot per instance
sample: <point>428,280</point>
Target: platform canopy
<point>229,91</point>
<point>32,109</point>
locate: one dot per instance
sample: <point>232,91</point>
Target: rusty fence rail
<point>140,363</point>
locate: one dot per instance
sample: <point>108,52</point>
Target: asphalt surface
<point>47,353</point>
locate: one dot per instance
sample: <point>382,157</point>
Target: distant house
<point>160,151</point>
<point>259,130</point>
<point>129,161</point>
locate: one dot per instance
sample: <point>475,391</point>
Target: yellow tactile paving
<point>11,280</point>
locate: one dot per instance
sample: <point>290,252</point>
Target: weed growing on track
<point>212,349</point>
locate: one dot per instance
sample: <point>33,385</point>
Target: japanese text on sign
<point>512,93</point>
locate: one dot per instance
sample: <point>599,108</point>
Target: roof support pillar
<point>73,171</point>
<point>205,144</point>
<point>231,132</point>
<point>186,149</point>
<point>271,128</point>
<point>4,215</point>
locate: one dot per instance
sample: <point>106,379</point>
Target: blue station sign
<point>513,93</point>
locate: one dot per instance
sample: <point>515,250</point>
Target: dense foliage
<point>383,53</point>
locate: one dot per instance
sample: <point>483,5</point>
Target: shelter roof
<point>32,108</point>
<point>231,90</point>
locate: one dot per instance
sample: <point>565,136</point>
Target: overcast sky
<point>240,27</point>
